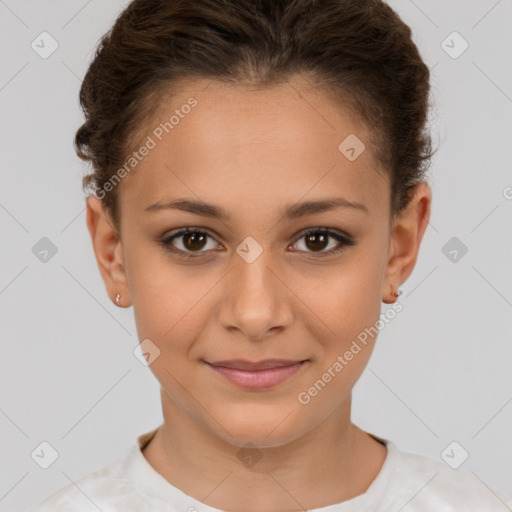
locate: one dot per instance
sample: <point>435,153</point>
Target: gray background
<point>441,371</point>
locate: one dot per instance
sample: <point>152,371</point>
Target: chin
<point>262,429</point>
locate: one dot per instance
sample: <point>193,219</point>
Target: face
<point>265,274</point>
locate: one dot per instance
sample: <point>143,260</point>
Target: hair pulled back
<point>360,51</point>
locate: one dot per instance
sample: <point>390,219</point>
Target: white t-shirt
<point>406,482</point>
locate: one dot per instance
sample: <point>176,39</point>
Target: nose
<point>257,302</point>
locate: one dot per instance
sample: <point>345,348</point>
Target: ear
<point>406,234</point>
<point>108,250</point>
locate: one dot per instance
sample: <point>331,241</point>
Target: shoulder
<point>108,489</point>
<point>99,490</point>
<point>422,483</point>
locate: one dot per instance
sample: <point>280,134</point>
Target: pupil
<point>315,238</point>
<point>191,238</point>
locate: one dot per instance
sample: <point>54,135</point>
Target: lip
<point>257,375</point>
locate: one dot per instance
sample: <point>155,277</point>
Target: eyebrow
<point>291,212</point>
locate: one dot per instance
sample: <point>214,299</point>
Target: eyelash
<point>344,240</point>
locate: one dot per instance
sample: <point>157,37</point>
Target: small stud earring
<point>397,294</point>
<point>118,297</point>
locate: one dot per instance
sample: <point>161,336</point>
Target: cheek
<point>166,297</point>
<point>169,310</point>
<point>346,299</point>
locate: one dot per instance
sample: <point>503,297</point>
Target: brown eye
<point>188,241</point>
<point>194,241</point>
<point>317,240</point>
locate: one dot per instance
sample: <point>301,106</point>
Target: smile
<point>260,375</point>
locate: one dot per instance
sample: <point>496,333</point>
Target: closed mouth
<point>240,364</point>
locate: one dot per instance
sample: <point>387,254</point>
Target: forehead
<point>231,143</point>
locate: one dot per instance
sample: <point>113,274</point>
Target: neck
<point>332,463</point>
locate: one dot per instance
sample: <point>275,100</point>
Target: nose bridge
<point>255,277</point>
<point>256,300</point>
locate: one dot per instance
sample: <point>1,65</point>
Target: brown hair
<point>359,51</point>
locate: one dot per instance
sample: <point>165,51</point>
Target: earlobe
<point>107,249</point>
<point>407,232</point>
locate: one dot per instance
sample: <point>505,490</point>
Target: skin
<point>254,152</point>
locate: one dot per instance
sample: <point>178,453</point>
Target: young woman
<point>259,192</point>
